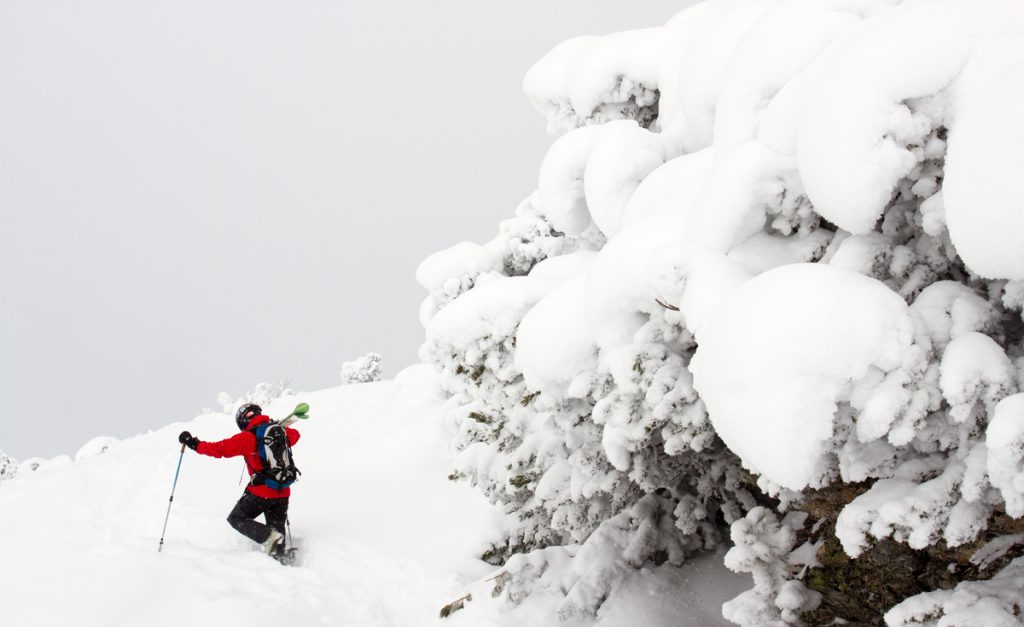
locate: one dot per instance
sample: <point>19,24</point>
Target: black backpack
<point>278,471</point>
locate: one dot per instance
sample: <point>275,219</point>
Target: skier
<point>259,497</point>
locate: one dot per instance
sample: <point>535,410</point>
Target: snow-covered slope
<point>386,539</point>
<point>384,536</point>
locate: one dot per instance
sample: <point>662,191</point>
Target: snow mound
<point>94,447</point>
<point>772,374</point>
<point>554,342</point>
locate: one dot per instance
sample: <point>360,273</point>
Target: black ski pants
<point>275,512</point>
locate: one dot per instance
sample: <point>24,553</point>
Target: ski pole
<point>169,503</point>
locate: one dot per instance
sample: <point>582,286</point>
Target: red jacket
<point>244,444</point>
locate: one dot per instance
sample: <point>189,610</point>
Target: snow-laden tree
<point>771,279</point>
<point>8,467</point>
<point>262,394</point>
<point>365,369</point>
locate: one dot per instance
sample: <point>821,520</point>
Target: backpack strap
<point>258,477</point>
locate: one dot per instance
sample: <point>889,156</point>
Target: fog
<point>199,196</point>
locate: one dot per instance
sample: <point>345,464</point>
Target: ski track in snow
<point>385,538</point>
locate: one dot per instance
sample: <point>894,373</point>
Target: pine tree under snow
<point>767,295</point>
<point>365,369</point>
<point>8,467</point>
<point>262,394</point>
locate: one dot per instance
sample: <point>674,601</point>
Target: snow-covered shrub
<point>365,369</point>
<point>8,467</point>
<point>522,242</point>
<point>262,394</point>
<point>448,273</point>
<point>762,547</point>
<point>990,603</point>
<point>771,278</point>
<point>530,237</point>
<point>591,80</point>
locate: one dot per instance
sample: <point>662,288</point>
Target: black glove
<point>188,440</point>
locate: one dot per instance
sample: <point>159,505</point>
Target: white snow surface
<point>385,538</point>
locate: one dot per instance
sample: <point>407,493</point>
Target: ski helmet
<point>245,414</point>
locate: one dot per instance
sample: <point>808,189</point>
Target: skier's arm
<point>236,445</point>
<point>293,436</point>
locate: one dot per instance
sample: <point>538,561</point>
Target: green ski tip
<point>301,409</point>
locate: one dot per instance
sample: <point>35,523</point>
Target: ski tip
<point>301,410</point>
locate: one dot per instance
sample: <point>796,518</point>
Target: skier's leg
<point>277,513</point>
<point>241,518</point>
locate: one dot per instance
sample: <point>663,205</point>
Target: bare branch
<point>666,305</point>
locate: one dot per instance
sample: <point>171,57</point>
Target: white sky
<point>196,195</point>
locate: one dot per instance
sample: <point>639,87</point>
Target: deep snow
<point>385,537</point>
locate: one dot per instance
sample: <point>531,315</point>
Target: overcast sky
<point>196,196</point>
